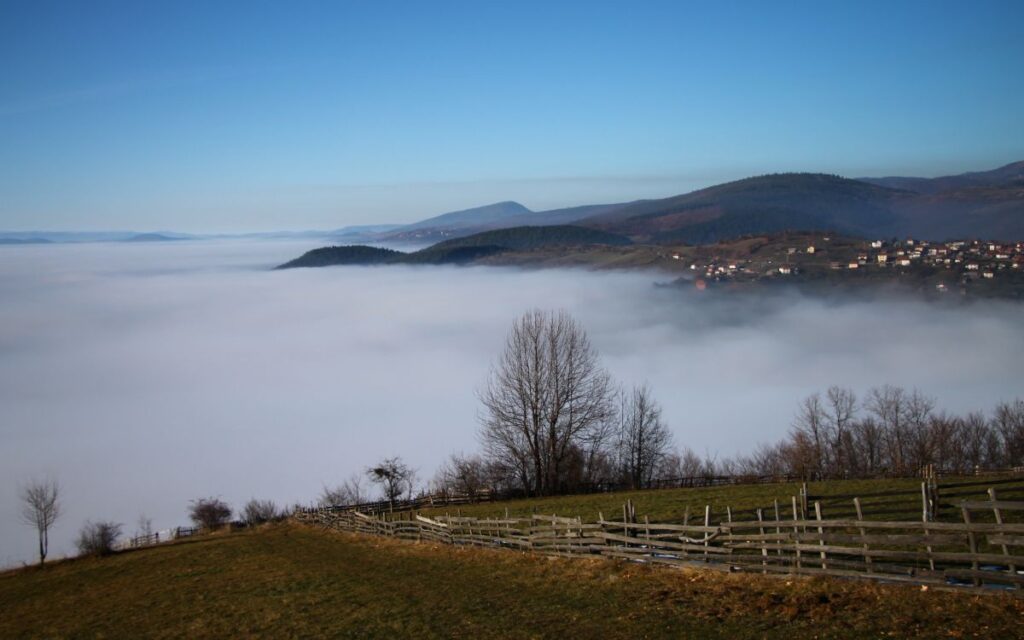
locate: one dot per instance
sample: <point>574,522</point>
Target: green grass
<point>290,581</point>
<point>670,505</point>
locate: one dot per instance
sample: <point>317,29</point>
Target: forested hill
<point>463,250</point>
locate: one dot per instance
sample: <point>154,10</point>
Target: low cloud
<point>146,376</point>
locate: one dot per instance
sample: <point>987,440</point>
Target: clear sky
<point>218,116</point>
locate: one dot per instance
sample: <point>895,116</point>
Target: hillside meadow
<point>289,581</point>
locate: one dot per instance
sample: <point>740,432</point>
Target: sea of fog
<point>142,376</point>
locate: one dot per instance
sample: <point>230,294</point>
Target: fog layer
<point>145,376</point>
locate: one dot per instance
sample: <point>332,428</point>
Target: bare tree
<point>394,477</point>
<point>809,434</point>
<point>461,474</point>
<point>348,492</point>
<point>1009,424</point>
<point>546,398</point>
<point>40,508</point>
<point>98,538</point>
<point>643,439</point>
<point>840,409</point>
<point>209,513</point>
<point>259,511</point>
<point>888,405</point>
<point>144,526</point>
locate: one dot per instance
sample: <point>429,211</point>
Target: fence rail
<point>443,499</point>
<point>985,548</point>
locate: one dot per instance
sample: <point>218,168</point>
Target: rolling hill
<point>763,204</point>
<point>988,204</point>
<point>462,250</point>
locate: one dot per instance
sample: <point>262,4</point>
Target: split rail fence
<point>984,547</point>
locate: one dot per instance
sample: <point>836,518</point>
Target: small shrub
<point>209,513</point>
<point>260,511</point>
<point>98,538</point>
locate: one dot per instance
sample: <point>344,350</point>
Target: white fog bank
<point>143,376</point>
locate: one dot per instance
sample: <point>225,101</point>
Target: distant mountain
<point>763,204</point>
<point>153,237</point>
<point>1005,175</point>
<point>462,250</point>
<point>25,241</point>
<point>475,217</point>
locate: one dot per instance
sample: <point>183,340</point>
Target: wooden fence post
<point>999,520</point>
<point>971,541</point>
<point>778,529</point>
<point>707,523</point>
<point>863,532</point>
<point>821,532</point>
<point>764,542</point>
<point>796,535</point>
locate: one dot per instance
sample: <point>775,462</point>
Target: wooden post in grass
<point>778,529</point>
<point>999,520</point>
<point>707,523</point>
<point>821,534</point>
<point>764,542</point>
<point>796,534</point>
<point>971,541</point>
<point>803,501</point>
<point>686,523</point>
<point>863,532</point>
<point>926,517</point>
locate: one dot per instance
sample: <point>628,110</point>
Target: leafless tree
<point>545,400</point>
<point>809,433</point>
<point>888,406</point>
<point>40,507</point>
<point>347,493</point>
<point>461,474</point>
<point>1009,424</point>
<point>394,477</point>
<point>841,410</point>
<point>259,511</point>
<point>867,448</point>
<point>98,538</point>
<point>209,513</point>
<point>643,439</point>
<point>144,526</point>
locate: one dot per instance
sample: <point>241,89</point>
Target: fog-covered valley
<point>143,376</point>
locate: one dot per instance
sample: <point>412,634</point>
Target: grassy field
<point>670,505</point>
<point>293,581</point>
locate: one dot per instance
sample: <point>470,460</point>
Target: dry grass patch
<point>296,581</point>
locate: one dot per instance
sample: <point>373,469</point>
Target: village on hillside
<point>964,266</point>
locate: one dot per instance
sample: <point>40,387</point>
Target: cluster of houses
<point>971,258</point>
<point>965,260</point>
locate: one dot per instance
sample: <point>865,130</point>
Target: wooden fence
<point>443,499</point>
<point>984,548</point>
<point>157,537</point>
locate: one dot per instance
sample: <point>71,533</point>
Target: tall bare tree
<point>394,476</point>
<point>40,507</point>
<point>841,409</point>
<point>809,436</point>
<point>1009,424</point>
<point>546,399</point>
<point>643,439</point>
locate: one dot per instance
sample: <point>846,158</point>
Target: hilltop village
<point>966,267</point>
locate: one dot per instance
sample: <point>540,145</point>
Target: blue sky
<point>257,116</point>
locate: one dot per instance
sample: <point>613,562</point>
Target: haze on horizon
<point>229,117</point>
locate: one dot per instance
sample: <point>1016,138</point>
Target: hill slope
<point>293,581</point>
<point>461,250</point>
<point>763,204</point>
<point>1013,172</point>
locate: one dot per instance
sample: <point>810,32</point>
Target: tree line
<point>554,421</point>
